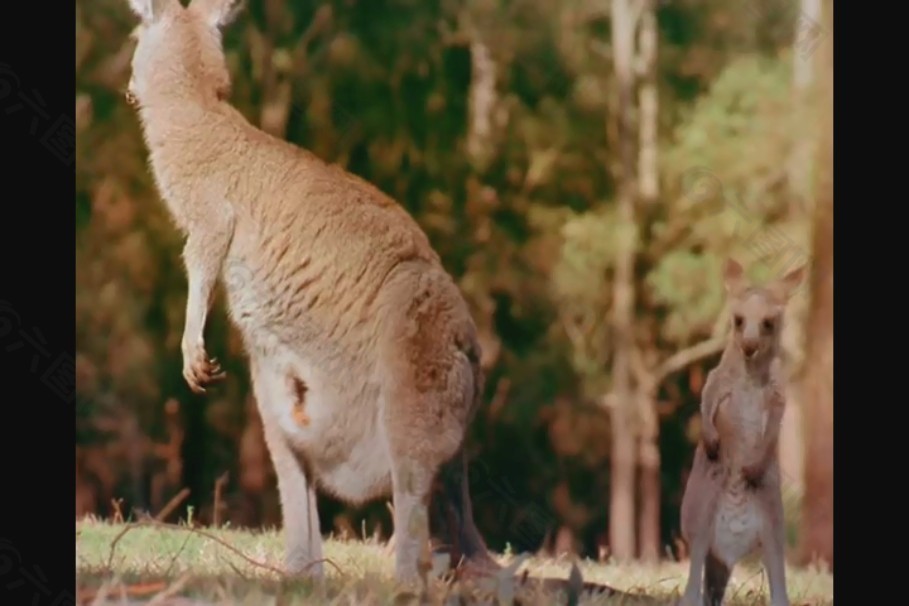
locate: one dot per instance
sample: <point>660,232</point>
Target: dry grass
<point>171,565</point>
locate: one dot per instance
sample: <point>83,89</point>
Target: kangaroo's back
<point>320,245</point>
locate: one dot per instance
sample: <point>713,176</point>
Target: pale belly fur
<point>737,526</point>
<point>343,441</point>
<point>739,518</point>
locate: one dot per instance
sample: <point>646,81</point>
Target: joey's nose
<point>749,349</point>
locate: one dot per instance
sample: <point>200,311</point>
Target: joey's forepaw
<point>752,474</point>
<point>199,370</point>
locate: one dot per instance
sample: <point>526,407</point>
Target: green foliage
<point>686,285</point>
<point>722,171</point>
<point>590,240</point>
<point>581,286</point>
<point>739,132</point>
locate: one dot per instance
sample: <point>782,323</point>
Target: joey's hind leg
<point>303,541</point>
<point>697,519</point>
<point>773,542</point>
<point>697,555</point>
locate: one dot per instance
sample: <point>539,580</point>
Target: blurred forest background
<point>583,167</point>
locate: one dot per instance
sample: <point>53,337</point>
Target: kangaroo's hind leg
<point>421,440</point>
<point>451,516</point>
<point>303,542</point>
<point>429,389</point>
<point>424,425</point>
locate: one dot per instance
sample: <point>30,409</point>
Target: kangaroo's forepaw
<point>198,369</point>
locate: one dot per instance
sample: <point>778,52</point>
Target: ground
<point>116,564</point>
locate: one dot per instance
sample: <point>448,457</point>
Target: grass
<point>224,566</point>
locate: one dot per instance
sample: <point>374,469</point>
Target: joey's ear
<point>733,276</point>
<point>151,10</point>
<point>219,13</point>
<point>789,283</point>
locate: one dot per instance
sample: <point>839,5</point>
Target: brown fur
<point>331,283</point>
<point>733,502</point>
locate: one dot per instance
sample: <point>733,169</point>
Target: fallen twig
<point>236,570</point>
<point>218,540</point>
<point>173,560</point>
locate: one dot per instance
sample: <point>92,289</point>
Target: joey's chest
<point>743,417</point>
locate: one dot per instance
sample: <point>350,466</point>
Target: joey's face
<point>756,323</point>
<point>757,312</point>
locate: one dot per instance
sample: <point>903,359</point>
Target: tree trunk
<point>792,446</point>
<point>649,453</point>
<point>482,103</point>
<point>648,172</point>
<point>817,512</point>
<point>648,178</point>
<point>622,480</point>
<point>800,196</point>
<point>803,68</point>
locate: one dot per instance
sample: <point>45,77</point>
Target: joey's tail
<point>453,528</point>
<point>716,577</point>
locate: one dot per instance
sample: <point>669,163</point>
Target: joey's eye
<point>738,321</point>
<point>767,325</point>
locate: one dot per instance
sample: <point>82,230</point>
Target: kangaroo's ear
<point>733,276</point>
<point>151,10</point>
<point>219,13</point>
